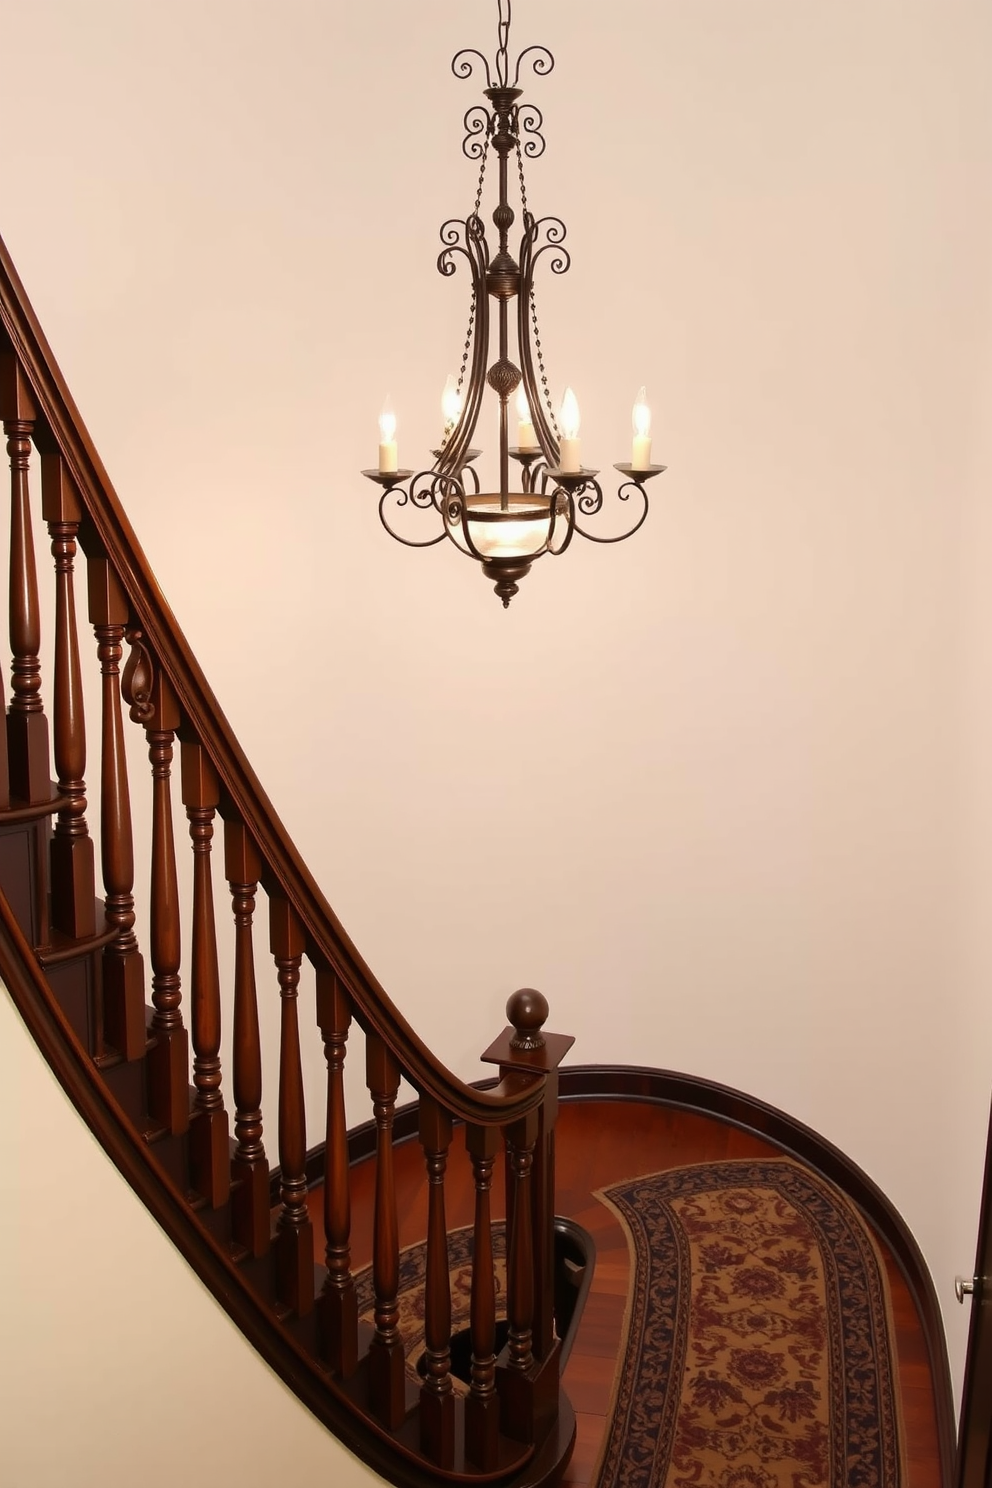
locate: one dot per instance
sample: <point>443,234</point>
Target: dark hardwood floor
<point>600,1143</point>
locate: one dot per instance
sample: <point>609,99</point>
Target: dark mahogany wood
<point>106,535</point>
<point>528,1385</point>
<point>123,970</point>
<point>124,598</point>
<point>27,726</point>
<point>386,1364</point>
<point>153,704</point>
<point>210,1163</point>
<point>521,1140</point>
<point>437,1401</point>
<point>974,1467</point>
<point>482,1406</point>
<point>72,860</point>
<point>250,1217</point>
<point>294,1240</point>
<point>544,1221</point>
<point>735,1108</point>
<point>525,1046</point>
<point>338,1306</point>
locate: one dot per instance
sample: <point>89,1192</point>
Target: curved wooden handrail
<point>60,428</point>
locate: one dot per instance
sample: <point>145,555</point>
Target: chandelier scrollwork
<point>552,496</point>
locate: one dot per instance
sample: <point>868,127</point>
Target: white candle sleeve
<point>387,458</point>
<point>569,456</point>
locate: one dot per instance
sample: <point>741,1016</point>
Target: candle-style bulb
<point>569,448</point>
<point>526,433</point>
<point>387,422</point>
<point>640,455</point>
<point>451,404</point>
<point>569,416</point>
<point>387,440</point>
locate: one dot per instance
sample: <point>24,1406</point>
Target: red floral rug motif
<point>758,1349</point>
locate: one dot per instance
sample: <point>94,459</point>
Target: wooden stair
<point>134,1029</point>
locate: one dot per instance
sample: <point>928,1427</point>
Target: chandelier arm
<point>453,456</point>
<point>454,515</point>
<point>564,510</point>
<point>407,497</point>
<point>591,504</point>
<point>546,435</point>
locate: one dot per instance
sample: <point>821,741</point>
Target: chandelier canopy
<point>552,495</point>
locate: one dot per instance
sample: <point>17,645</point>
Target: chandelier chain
<point>545,386</point>
<point>503,32</point>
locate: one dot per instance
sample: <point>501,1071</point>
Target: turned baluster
<point>338,1304</point>
<point>544,1222</point>
<point>27,726</point>
<point>153,704</point>
<point>123,970</point>
<point>73,874</point>
<point>250,1200</point>
<point>527,1381</point>
<point>521,1137</point>
<point>294,1240</point>
<point>210,1165</point>
<point>387,1389</point>
<point>437,1401</point>
<point>482,1405</point>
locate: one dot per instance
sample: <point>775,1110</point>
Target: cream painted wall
<point>117,1366</point>
<point>718,792</point>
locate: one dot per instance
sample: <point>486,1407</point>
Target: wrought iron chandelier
<point>552,494</point>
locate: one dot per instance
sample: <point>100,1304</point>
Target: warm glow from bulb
<point>523,407</point>
<point>569,416</point>
<point>451,403</point>
<point>387,423</point>
<point>642,414</point>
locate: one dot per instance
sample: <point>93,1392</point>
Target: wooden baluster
<point>27,726</point>
<point>210,1163</point>
<point>153,704</point>
<point>250,1199</point>
<point>73,874</point>
<point>294,1239</point>
<point>544,1221</point>
<point>517,1417</point>
<point>522,1137</point>
<point>338,1303</point>
<point>528,1379</point>
<point>482,1405</point>
<point>437,1400</point>
<point>387,1386</point>
<point>123,969</point>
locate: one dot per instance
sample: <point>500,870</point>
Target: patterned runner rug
<point>759,1346</point>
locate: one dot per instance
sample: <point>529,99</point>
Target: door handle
<point>964,1287</point>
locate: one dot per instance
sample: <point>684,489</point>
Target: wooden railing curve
<point>515,1422</point>
<point>326,935</point>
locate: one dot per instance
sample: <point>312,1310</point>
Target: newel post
<point>527,1371</point>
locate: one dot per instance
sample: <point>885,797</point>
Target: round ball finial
<point>527,1012</point>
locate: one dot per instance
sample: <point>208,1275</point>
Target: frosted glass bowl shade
<point>519,532</point>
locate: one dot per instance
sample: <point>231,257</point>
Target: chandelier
<point>551,495</point>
